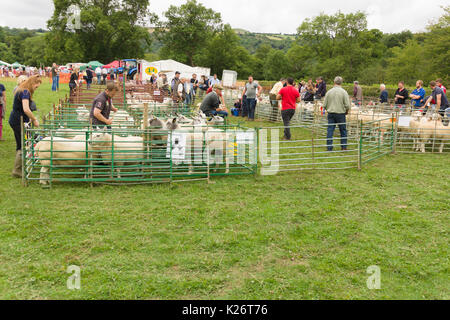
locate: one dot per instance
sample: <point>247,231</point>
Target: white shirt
<point>98,70</point>
<point>180,89</point>
<point>104,71</point>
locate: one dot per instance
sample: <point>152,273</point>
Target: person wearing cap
<point>210,89</point>
<point>357,93</point>
<point>211,103</point>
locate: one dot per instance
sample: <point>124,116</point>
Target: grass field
<point>306,235</point>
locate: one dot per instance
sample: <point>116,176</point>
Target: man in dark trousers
<point>89,76</point>
<point>289,97</point>
<point>102,106</point>
<point>337,103</point>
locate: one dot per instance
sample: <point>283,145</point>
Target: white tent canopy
<point>3,63</point>
<point>169,67</point>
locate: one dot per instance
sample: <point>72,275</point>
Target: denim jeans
<point>99,78</point>
<point>287,116</point>
<point>244,107</point>
<point>251,105</point>
<point>333,120</point>
<point>54,83</point>
<point>188,99</point>
<point>57,82</point>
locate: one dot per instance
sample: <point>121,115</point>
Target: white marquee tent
<point>169,67</point>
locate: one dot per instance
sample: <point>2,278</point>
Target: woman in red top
<point>289,97</point>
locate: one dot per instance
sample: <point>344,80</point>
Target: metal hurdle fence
<point>137,156</point>
<point>308,148</point>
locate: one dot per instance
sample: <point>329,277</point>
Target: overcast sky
<point>263,15</point>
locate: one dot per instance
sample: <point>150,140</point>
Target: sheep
<point>68,133</point>
<point>214,140</point>
<point>433,128</point>
<point>67,152</point>
<point>126,149</point>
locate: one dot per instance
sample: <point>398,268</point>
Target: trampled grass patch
<point>299,235</point>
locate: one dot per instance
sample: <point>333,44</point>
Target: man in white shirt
<point>98,72</point>
<point>214,81</point>
<point>104,75</point>
<point>181,90</point>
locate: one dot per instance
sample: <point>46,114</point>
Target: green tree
<point>34,55</point>
<point>187,30</point>
<point>437,47</point>
<point>109,29</point>
<point>340,43</point>
<point>276,65</point>
<point>408,64</point>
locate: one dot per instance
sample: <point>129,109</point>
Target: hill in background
<point>251,40</point>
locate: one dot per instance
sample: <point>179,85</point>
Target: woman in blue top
<point>21,109</point>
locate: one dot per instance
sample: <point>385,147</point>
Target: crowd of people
<point>284,96</point>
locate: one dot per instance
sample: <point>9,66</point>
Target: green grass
<point>306,235</point>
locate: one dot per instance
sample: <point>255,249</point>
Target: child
<point>237,108</point>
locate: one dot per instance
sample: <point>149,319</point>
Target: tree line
<point>325,45</point>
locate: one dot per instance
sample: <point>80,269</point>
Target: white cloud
<point>263,15</point>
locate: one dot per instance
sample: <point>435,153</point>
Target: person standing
<point>337,104</point>
<point>289,97</point>
<point>384,96</point>
<point>188,92</point>
<point>440,84</point>
<point>321,88</point>
<point>89,77</point>
<point>104,75</point>
<point>174,87</point>
<point>418,95</point>
<point>309,93</point>
<point>98,73</point>
<point>357,93</point>
<point>273,98</point>
<point>54,77</point>
<point>194,87</point>
<point>102,106</point>
<point>2,108</point>
<point>214,81</point>
<point>250,92</point>
<point>23,96</point>
<point>401,95</point>
<point>439,96</point>
<point>73,83</point>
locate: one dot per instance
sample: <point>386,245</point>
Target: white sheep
<point>126,149</point>
<point>60,151</point>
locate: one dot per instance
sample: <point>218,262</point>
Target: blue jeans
<point>188,99</point>
<point>333,120</point>
<point>54,83</point>
<point>251,105</point>
<point>99,78</point>
<point>244,107</point>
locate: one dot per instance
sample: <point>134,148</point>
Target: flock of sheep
<point>72,147</point>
